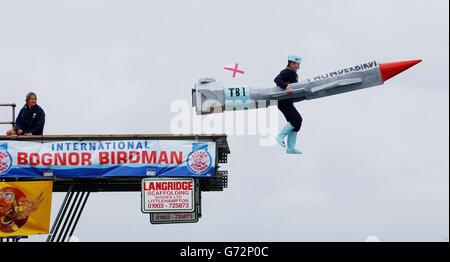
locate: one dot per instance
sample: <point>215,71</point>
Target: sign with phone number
<point>172,218</point>
<point>168,195</point>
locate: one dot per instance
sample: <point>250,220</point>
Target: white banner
<point>168,195</point>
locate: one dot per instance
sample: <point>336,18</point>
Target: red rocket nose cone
<point>389,70</point>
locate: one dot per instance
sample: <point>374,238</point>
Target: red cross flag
<point>234,69</point>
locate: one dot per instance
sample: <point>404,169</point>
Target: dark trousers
<point>291,114</point>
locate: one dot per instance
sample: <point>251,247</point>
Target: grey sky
<point>375,162</point>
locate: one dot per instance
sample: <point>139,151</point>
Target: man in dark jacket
<point>31,118</point>
<point>286,77</point>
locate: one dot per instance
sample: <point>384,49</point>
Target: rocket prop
<point>209,97</point>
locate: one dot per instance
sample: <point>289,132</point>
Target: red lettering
<point>22,158</point>
<point>86,159</point>
<point>46,159</point>
<point>103,158</point>
<point>176,158</point>
<point>74,159</point>
<point>163,158</point>
<point>34,159</point>
<point>170,186</point>
<point>148,159</point>
<point>134,157</point>
<point>60,159</point>
<point>121,157</point>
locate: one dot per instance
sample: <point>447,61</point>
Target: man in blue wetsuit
<point>286,77</point>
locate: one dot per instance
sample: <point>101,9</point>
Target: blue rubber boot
<point>283,133</point>
<point>291,140</point>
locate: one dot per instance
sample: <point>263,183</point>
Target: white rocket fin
<point>294,94</point>
<point>304,92</point>
<point>338,83</point>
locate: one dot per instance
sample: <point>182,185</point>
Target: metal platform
<point>78,189</point>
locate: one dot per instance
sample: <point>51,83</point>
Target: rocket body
<point>209,98</point>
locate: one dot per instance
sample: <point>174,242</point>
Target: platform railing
<point>13,113</point>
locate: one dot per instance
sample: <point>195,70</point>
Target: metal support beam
<point>61,214</point>
<point>79,213</point>
<point>68,215</point>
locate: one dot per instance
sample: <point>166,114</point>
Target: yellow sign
<point>25,208</point>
